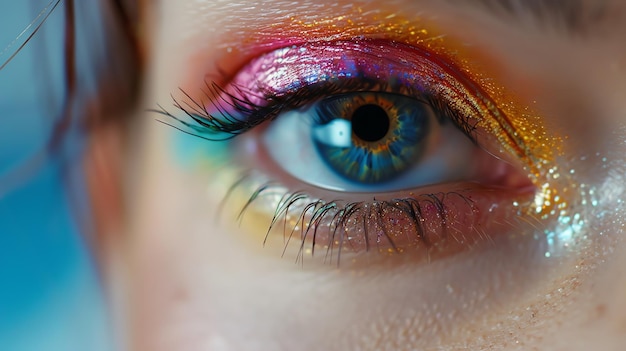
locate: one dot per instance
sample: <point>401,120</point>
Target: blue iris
<point>371,137</point>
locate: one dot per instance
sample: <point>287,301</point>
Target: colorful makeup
<point>322,84</point>
<point>375,64</point>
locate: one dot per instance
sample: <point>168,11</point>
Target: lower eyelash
<point>387,226</point>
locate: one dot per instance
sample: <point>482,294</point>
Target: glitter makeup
<point>296,75</point>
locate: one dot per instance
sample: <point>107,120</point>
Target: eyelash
<point>229,125</point>
<point>339,216</point>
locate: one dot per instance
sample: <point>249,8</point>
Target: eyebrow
<point>571,16</point>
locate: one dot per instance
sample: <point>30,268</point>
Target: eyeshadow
<point>331,48</point>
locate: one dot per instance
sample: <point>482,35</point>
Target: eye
<point>354,146</point>
<point>371,142</point>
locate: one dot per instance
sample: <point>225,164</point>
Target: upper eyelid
<point>233,109</point>
<point>233,44</point>
<point>254,32</point>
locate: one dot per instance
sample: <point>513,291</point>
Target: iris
<point>371,137</point>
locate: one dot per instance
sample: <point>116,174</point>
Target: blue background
<point>50,297</point>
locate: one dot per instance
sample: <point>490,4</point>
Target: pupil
<point>370,122</point>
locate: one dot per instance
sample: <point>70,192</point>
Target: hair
<point>101,68</point>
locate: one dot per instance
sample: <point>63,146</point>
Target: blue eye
<point>370,137</point>
<point>369,142</point>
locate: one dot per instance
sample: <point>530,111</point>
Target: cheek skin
<point>191,291</point>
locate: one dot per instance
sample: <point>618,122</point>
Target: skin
<point>179,279</point>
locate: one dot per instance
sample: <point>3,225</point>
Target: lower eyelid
<point>475,213</point>
<point>430,222</point>
<point>437,222</point>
